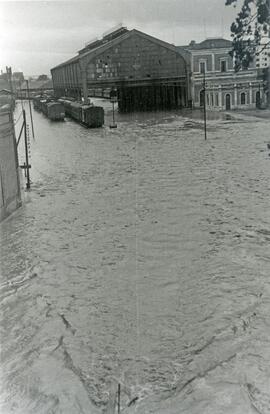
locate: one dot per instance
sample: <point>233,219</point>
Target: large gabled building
<point>147,72</point>
<point>225,88</point>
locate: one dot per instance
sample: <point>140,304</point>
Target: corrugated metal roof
<point>72,60</point>
<point>104,46</point>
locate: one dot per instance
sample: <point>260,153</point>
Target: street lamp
<point>204,104</point>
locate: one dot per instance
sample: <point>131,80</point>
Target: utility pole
<point>21,96</point>
<point>26,165</point>
<point>28,94</point>
<point>204,104</point>
<point>9,76</point>
<point>118,399</point>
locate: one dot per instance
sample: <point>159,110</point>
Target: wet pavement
<point>141,256</point>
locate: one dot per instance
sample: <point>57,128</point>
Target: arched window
<point>228,101</point>
<point>243,98</point>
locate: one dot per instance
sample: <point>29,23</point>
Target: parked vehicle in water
<point>54,110</point>
<point>37,102</point>
<point>88,115</point>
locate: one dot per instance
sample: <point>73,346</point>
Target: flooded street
<point>140,256</point>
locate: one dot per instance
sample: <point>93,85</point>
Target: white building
<point>263,54</point>
<point>225,88</point>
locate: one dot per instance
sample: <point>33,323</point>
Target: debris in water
<point>132,401</point>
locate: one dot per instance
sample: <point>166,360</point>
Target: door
<point>202,98</point>
<point>258,99</point>
<point>228,102</point>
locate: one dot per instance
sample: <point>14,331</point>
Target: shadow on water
<point>168,116</point>
<point>186,117</point>
<point>140,263</point>
<point>210,115</point>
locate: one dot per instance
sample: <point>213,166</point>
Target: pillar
<point>220,96</point>
<point>213,62</point>
<point>84,85</point>
<point>250,94</point>
<point>235,96</point>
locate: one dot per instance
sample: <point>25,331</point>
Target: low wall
<point>10,194</point>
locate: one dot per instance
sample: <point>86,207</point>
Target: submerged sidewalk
<point>259,113</point>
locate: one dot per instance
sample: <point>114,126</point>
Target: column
<point>235,96</point>
<point>213,62</point>
<point>193,93</point>
<point>250,94</point>
<point>220,96</point>
<point>84,85</point>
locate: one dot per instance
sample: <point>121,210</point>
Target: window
<point>216,99</point>
<point>202,67</point>
<point>243,98</point>
<point>212,99</point>
<point>223,66</point>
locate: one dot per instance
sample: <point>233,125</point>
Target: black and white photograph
<point>135,207</point>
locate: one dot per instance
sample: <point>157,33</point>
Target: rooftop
<point>114,38</point>
<point>209,43</point>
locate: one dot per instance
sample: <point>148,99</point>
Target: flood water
<point>141,256</point>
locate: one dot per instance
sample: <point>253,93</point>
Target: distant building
<point>17,79</point>
<point>11,81</point>
<point>6,98</point>
<point>147,72</point>
<point>35,87</point>
<point>4,83</point>
<point>225,88</point>
<point>263,54</point>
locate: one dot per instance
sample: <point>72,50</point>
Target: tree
<point>250,26</point>
<point>42,78</point>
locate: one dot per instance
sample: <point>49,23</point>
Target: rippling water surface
<point>141,256</point>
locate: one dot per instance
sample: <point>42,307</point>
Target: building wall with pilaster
<point>67,79</point>
<point>220,83</point>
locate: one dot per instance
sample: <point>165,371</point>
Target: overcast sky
<point>37,35</point>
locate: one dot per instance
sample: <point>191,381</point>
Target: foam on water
<point>141,257</point>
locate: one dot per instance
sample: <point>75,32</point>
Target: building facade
<point>34,87</point>
<point>10,192</point>
<point>263,54</point>
<point>225,89</point>
<point>146,72</point>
